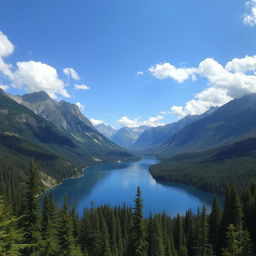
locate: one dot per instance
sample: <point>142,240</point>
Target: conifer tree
<point>232,214</point>
<point>30,222</point>
<point>205,248</point>
<point>179,236</point>
<point>10,237</point>
<point>66,241</point>
<point>49,240</point>
<point>214,226</point>
<point>138,244</point>
<point>155,237</point>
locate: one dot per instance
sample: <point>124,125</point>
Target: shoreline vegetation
<point>47,230</point>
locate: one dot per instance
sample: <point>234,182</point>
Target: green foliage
<point>138,235</point>
<point>213,170</point>
<point>121,231</point>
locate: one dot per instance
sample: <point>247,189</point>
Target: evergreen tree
<point>138,244</point>
<point>214,226</point>
<point>10,237</point>
<point>204,247</point>
<point>155,237</point>
<point>179,236</point>
<point>49,241</point>
<point>232,214</point>
<point>30,222</point>
<point>66,241</point>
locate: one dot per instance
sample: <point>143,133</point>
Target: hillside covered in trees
<point>212,170</point>
<point>49,231</point>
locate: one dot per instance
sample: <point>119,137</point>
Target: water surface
<point>116,184</point>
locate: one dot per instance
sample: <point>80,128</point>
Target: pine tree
<point>232,214</point>
<point>214,226</point>
<point>179,236</point>
<point>49,240</point>
<point>66,241</point>
<point>30,222</point>
<point>10,237</point>
<point>155,237</point>
<point>138,244</point>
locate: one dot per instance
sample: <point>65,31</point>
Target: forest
<point>41,229</point>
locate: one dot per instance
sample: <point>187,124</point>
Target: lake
<point>116,184</point>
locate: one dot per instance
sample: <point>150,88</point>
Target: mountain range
<point>55,134</point>
<point>231,122</point>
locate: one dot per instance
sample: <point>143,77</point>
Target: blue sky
<point>138,61</point>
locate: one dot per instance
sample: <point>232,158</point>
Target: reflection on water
<point>116,184</point>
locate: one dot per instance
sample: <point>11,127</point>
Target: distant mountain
<point>126,136</point>
<point>106,130</point>
<point>71,122</point>
<point>232,122</point>
<point>150,139</point>
<point>214,169</point>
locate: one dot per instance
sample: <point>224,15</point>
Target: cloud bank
<point>132,123</point>
<point>236,79</point>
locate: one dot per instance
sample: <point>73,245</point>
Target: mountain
<point>75,126</point>
<point>150,139</point>
<point>126,136</point>
<point>212,170</point>
<point>232,122</point>
<point>106,130</point>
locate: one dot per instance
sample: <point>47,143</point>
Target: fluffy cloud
<point>151,122</point>
<point>82,87</point>
<point>31,75</point>
<point>4,87</point>
<point>36,76</point>
<point>72,73</point>
<point>96,122</point>
<point>6,46</point>
<point>167,70</point>
<point>211,97</point>
<point>250,17</point>
<point>233,80</point>
<point>80,106</point>
<point>6,49</point>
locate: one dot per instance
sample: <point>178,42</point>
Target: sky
<point>130,63</point>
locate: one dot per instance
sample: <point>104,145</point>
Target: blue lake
<point>116,184</point>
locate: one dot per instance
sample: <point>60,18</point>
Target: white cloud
<point>250,17</point>
<point>82,87</point>
<point>36,76</point>
<point>151,122</point>
<point>4,87</point>
<point>243,65</point>
<point>6,49</point>
<point>6,46</point>
<point>96,122</point>
<point>80,106</point>
<point>32,76</point>
<point>72,73</point>
<point>167,70</point>
<point>236,79</point>
<point>211,97</point>
<point>140,73</point>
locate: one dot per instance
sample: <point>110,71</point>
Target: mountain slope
<point>71,122</point>
<point>106,130</point>
<point>229,123</point>
<point>212,170</point>
<point>156,136</point>
<point>126,136</point>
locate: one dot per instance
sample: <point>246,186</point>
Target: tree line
<point>45,230</point>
